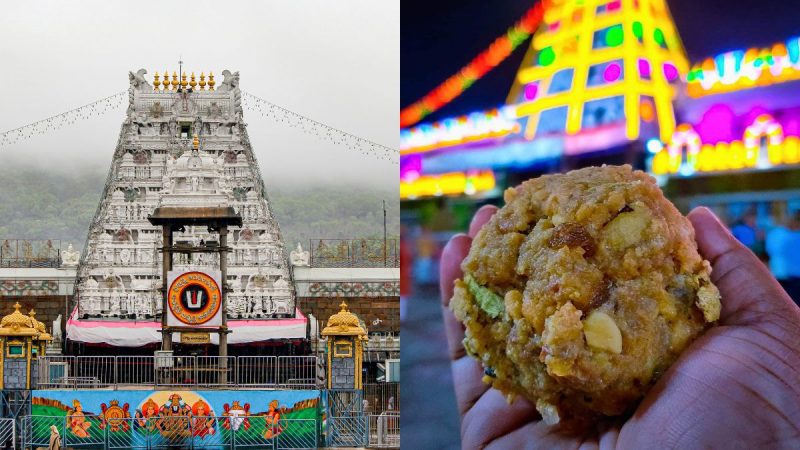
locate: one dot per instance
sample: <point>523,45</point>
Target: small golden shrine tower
<point>22,339</point>
<point>345,336</point>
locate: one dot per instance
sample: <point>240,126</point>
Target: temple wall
<point>387,309</point>
<point>47,307</point>
<point>131,418</point>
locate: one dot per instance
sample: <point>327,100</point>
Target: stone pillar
<point>223,331</point>
<point>166,336</point>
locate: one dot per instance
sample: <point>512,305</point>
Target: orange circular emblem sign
<point>194,298</point>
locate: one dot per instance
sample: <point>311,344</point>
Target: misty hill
<point>43,204</point>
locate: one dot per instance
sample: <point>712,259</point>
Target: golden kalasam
<point>582,291</point>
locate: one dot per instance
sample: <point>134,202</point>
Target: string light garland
<point>93,109</point>
<point>744,69</point>
<point>310,126</point>
<point>265,108</point>
<point>454,86</point>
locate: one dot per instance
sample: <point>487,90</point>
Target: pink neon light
<point>670,71</point>
<point>531,90</point>
<point>791,127</point>
<point>613,6</point>
<point>612,72</point>
<point>644,68</point>
<point>410,167</point>
<point>717,124</point>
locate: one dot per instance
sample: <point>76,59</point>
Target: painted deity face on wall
<point>150,408</point>
<point>175,402</point>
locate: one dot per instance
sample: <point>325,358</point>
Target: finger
<point>467,372</point>
<point>609,434</point>
<point>747,288</point>
<point>468,382</point>
<point>480,218</point>
<point>453,254</point>
<point>450,269</point>
<point>492,417</point>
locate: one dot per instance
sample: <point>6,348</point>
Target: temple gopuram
<point>183,143</point>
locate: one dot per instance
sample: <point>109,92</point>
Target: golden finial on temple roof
<point>174,80</point>
<point>202,81</point>
<point>16,319</point>
<point>166,80</point>
<point>192,83</point>
<point>183,81</point>
<point>156,83</point>
<point>211,81</point>
<point>344,323</point>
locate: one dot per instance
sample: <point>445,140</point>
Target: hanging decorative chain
<point>88,111</point>
<point>310,126</point>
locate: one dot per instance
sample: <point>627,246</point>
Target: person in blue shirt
<point>783,248</point>
<point>744,230</point>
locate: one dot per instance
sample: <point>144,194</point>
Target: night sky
<point>439,37</point>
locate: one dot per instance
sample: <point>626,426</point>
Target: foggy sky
<point>335,61</point>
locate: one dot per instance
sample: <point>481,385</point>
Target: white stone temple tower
<point>183,143</point>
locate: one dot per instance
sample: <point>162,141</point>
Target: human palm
<point>737,386</point>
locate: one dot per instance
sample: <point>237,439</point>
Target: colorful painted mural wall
<point>92,416</point>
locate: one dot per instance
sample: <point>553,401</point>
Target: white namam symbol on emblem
<point>194,297</point>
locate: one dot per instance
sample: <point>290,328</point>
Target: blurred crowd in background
<point>776,241</point>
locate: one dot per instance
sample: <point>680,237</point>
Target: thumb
<point>749,291</point>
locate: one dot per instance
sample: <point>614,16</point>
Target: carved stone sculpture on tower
<point>70,257</point>
<point>299,257</point>
<point>57,334</point>
<point>229,82</point>
<point>137,83</point>
<point>173,127</point>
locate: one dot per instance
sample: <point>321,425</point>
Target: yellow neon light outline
<point>533,122</point>
<point>581,75</point>
<point>593,93</point>
<point>662,98</point>
<point>452,183</point>
<point>632,87</point>
<point>630,65</point>
<point>516,88</point>
<point>678,54</point>
<point>530,74</point>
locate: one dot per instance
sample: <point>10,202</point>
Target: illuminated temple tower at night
<point>182,144</point>
<point>591,65</point>
<point>608,82</point>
